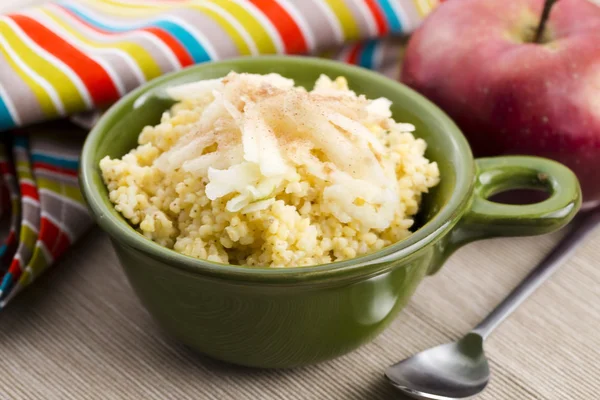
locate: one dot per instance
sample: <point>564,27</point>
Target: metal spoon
<point>460,369</point>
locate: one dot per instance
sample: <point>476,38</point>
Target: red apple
<point>477,60</point>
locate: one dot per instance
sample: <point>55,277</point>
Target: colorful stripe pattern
<point>30,215</point>
<point>53,213</point>
<point>71,56</point>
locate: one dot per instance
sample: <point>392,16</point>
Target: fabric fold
<point>54,214</point>
<point>73,56</point>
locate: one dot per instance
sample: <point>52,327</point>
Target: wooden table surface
<point>79,333</point>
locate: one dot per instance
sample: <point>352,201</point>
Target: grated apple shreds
<point>326,164</point>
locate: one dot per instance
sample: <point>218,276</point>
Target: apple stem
<point>539,33</point>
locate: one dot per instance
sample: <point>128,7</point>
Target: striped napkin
<point>70,57</point>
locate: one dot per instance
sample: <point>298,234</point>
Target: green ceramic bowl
<point>288,317</point>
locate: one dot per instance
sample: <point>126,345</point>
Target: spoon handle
<point>582,227</point>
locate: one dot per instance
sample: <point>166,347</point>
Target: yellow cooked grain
<point>299,227</point>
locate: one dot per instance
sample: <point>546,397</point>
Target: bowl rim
<point>124,234</point>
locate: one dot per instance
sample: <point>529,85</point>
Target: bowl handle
<point>487,219</point>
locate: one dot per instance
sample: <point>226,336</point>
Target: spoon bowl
<point>450,371</point>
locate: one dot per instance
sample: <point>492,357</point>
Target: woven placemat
<point>81,334</point>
